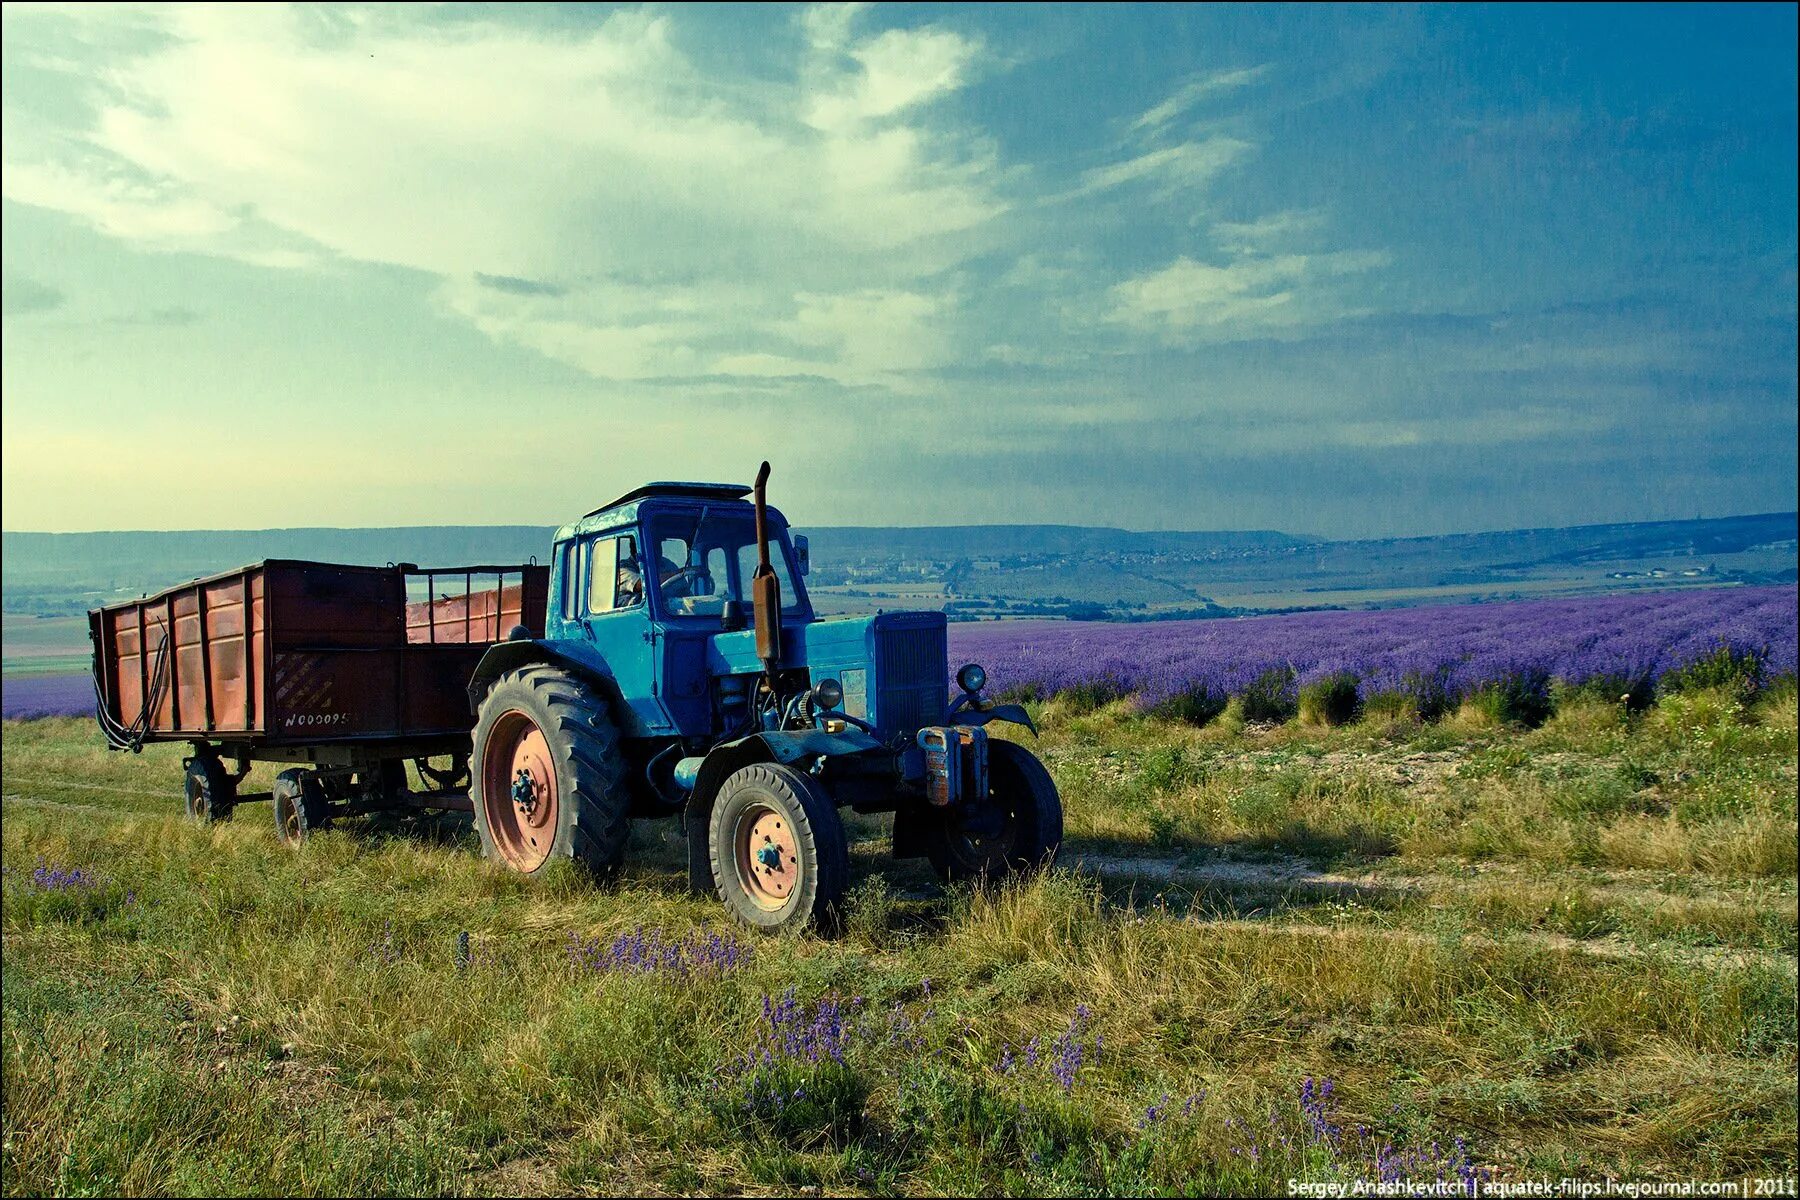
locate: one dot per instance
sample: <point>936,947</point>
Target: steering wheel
<point>690,576</point>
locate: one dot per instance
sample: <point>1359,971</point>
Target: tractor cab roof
<point>691,491</point>
<point>627,508</point>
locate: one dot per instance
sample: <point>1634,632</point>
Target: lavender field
<point>1436,655</point>
<point>30,696</point>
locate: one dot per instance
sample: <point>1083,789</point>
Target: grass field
<point>43,645</point>
<point>1375,951</point>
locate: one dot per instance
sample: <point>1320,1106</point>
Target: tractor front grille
<point>910,675</point>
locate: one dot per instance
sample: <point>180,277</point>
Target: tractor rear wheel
<point>780,860</point>
<point>548,778</point>
<point>1018,827</point>
<point>300,805</point>
<point>210,792</point>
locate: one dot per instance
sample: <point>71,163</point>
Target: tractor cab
<point>657,589</point>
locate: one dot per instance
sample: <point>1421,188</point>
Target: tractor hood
<point>894,666</point>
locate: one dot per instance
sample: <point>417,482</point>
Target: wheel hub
<point>524,790</point>
<point>768,858</point>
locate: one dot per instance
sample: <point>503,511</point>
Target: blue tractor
<point>683,673</point>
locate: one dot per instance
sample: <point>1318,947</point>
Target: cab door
<point>614,619</point>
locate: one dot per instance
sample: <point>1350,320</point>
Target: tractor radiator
<point>910,673</point>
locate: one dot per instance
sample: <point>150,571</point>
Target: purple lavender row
<point>1459,648</point>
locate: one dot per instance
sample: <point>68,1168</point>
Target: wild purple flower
<point>650,952</point>
<point>383,949</point>
<point>48,877</point>
<point>1068,1052</point>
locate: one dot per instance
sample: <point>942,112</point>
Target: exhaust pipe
<point>765,586</point>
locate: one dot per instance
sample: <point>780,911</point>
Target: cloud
<point>1265,233</point>
<point>519,287</point>
<point>898,69</point>
<point>1248,296</point>
<point>20,297</point>
<point>693,225</point>
<point>1196,89</point>
<point>1188,164</point>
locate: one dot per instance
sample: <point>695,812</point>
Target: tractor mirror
<point>802,553</point>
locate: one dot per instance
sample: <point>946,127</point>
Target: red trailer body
<point>283,659</point>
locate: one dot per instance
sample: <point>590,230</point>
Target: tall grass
<point>1579,958</point>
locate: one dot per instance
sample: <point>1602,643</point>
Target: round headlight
<point>827,694</point>
<point>971,678</point>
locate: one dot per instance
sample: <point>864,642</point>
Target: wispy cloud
<point>1243,297</point>
<point>1277,230</point>
<point>1188,164</point>
<point>21,296</point>
<point>1196,89</point>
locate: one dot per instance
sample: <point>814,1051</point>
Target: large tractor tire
<point>1018,828</point>
<point>548,778</point>
<point>780,860</point>
<point>301,809</point>
<point>209,791</point>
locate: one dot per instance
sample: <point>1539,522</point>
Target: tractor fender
<point>502,657</point>
<point>727,758</point>
<point>996,712</point>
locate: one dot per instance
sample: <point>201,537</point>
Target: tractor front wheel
<point>1018,827</point>
<point>548,778</point>
<point>780,860</point>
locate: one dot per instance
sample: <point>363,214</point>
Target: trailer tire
<point>301,808</point>
<point>767,808</point>
<point>1022,800</point>
<point>547,776</point>
<point>209,792</point>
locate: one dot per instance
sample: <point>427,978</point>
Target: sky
<point>1344,271</point>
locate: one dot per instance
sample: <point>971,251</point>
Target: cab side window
<point>615,576</point>
<point>574,574</point>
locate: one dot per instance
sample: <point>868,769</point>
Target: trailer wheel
<point>779,856</point>
<point>548,779</point>
<point>210,792</point>
<point>300,805</point>
<point>1018,829</point>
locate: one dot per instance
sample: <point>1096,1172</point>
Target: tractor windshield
<point>707,557</point>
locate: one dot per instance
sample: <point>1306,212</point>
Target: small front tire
<point>1017,829</point>
<point>780,860</point>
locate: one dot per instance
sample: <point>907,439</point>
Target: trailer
<point>349,672</point>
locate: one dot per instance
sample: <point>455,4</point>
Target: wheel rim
<point>768,860</point>
<point>287,808</point>
<point>518,791</point>
<point>196,799</point>
<point>988,849</point>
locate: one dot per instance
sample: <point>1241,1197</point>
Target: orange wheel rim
<point>768,862</point>
<point>518,791</point>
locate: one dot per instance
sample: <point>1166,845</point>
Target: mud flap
<point>694,822</point>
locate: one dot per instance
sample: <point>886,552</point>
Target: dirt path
<point>1297,873</point>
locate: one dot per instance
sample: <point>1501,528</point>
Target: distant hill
<point>978,570</point>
